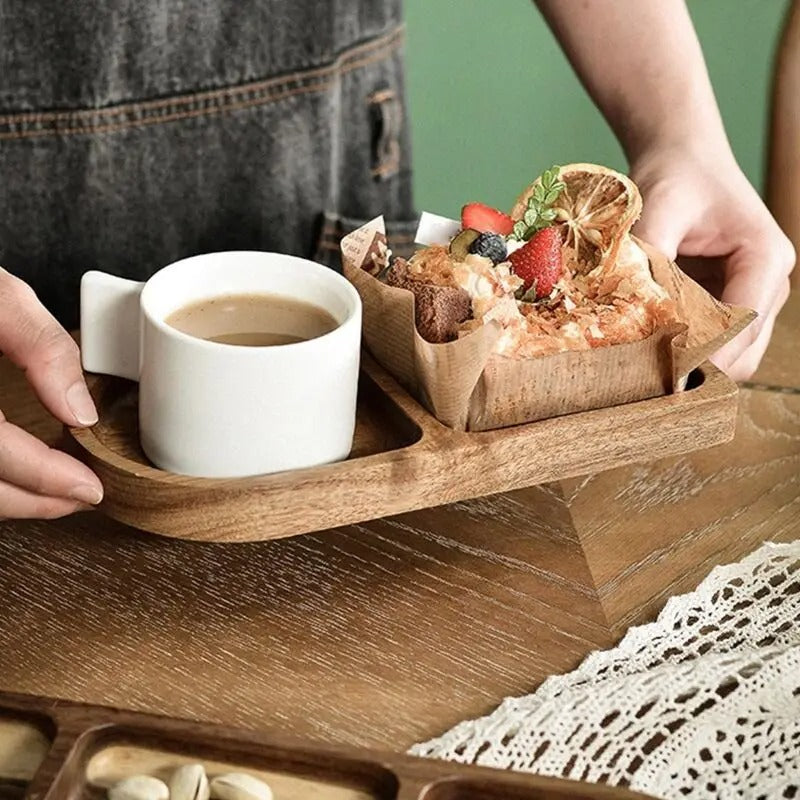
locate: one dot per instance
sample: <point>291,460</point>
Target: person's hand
<point>701,205</point>
<point>35,480</point>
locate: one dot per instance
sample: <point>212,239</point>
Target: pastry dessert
<point>552,309</point>
<point>561,272</point>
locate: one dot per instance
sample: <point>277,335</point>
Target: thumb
<point>661,224</point>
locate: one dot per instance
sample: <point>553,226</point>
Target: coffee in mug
<point>253,320</point>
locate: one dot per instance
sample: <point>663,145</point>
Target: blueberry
<point>490,245</point>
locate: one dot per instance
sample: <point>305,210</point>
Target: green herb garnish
<point>540,213</point>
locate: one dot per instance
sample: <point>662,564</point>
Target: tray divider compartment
<point>82,733</point>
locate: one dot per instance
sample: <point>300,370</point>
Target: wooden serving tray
<point>54,750</point>
<point>403,459</point>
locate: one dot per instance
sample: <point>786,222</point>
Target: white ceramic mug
<point>219,410</point>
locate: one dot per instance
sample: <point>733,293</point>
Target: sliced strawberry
<point>539,261</point>
<point>486,219</point>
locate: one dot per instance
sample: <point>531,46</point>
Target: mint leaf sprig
<point>540,212</point>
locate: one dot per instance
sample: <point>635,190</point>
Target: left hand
<point>700,204</point>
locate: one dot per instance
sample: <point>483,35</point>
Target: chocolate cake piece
<point>438,310</point>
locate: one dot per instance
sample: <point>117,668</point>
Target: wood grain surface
<point>403,459</point>
<point>390,632</point>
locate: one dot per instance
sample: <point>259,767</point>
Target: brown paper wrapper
<point>467,387</point>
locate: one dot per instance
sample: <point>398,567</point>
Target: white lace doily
<point>702,703</point>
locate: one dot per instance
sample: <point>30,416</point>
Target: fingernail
<point>86,493</point>
<point>81,404</point>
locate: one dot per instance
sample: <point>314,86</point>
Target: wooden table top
<point>390,632</point>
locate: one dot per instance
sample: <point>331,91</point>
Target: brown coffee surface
<point>252,320</point>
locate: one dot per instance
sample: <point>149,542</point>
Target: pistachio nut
<point>189,782</point>
<point>239,786</point>
<point>139,787</point>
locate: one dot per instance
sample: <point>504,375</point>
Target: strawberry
<point>539,261</point>
<point>486,219</point>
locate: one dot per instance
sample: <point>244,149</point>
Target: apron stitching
<point>181,115</point>
<point>388,118</point>
<point>269,91</point>
<point>381,96</point>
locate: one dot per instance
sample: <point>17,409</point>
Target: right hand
<point>701,206</point>
<point>37,481</point>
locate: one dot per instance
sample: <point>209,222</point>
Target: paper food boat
<point>467,387</point>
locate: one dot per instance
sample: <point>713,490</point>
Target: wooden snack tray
<point>54,750</point>
<point>403,459</point>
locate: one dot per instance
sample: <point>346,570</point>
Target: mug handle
<point>110,325</point>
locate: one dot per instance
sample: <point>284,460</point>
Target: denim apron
<point>137,132</point>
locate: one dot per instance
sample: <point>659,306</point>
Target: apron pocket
<point>335,227</point>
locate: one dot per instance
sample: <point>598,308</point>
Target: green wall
<point>494,102</point>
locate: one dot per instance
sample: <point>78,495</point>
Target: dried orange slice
<point>597,207</point>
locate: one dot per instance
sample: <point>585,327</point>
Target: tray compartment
<point>107,755</point>
<point>25,741</point>
<point>57,750</point>
<point>381,425</point>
